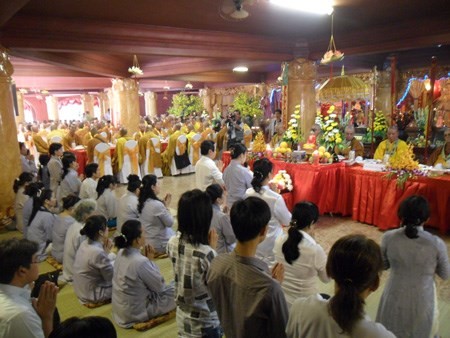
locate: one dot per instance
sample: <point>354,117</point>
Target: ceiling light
<point>240,69</point>
<point>316,6</point>
<point>239,14</point>
<point>188,85</point>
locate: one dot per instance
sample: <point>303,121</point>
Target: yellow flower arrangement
<point>294,134</point>
<point>403,167</point>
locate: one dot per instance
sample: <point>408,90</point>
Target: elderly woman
<point>441,155</point>
<point>73,238</point>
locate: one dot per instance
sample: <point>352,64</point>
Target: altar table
<point>369,197</point>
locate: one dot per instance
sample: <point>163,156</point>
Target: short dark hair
<point>278,111</point>
<point>15,253</point>
<point>87,327</point>
<point>90,169</point>
<point>93,225</point>
<point>206,146</point>
<point>194,216</point>
<point>54,147</point>
<point>248,217</point>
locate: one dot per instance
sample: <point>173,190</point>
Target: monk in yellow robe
<point>168,154</point>
<point>90,147</point>
<point>142,143</point>
<point>82,132</point>
<point>40,144</point>
<point>392,146</point>
<point>71,139</point>
<point>117,160</point>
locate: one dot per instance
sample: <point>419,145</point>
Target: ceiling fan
<point>233,10</point>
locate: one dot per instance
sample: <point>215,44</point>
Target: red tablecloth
<point>375,199</point>
<point>369,197</point>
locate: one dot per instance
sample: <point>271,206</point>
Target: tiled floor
<point>328,230</point>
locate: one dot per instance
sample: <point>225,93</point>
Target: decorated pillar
<point>9,151</point>
<point>383,94</point>
<point>125,109</point>
<point>301,91</point>
<point>151,107</point>
<point>20,107</point>
<point>103,103</point>
<point>52,107</point>
<point>205,94</point>
<point>87,102</point>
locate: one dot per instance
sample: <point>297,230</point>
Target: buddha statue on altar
<point>313,137</point>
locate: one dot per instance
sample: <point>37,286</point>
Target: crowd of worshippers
<point>244,265</point>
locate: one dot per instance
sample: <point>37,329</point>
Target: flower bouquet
<point>330,127</point>
<point>283,181</point>
<point>403,167</point>
<point>293,134</point>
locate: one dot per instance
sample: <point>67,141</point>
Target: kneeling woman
<point>93,268</point>
<point>139,291</point>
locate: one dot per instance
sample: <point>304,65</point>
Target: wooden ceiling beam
<point>250,77</point>
<point>102,65</point>
<point>60,83</point>
<point>8,8</point>
<point>57,34</point>
<point>196,65</point>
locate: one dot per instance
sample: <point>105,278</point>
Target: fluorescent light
<point>240,69</point>
<point>316,6</point>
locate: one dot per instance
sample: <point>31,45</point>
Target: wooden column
<point>125,109</point>
<point>151,107</point>
<point>52,107</point>
<point>301,91</point>
<point>9,151</point>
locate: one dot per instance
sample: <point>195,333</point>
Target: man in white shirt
<point>20,316</point>
<point>206,170</point>
<point>88,187</point>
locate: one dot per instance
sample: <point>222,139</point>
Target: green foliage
<point>247,105</point>
<point>183,104</point>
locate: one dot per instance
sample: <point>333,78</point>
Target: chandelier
<point>135,69</point>
<point>332,54</point>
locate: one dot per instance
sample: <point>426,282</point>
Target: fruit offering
<point>321,156</point>
<point>282,150</point>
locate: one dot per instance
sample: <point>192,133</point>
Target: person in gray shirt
<point>248,297</point>
<point>237,178</point>
<point>408,305</point>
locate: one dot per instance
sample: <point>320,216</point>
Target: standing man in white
<point>207,171</point>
